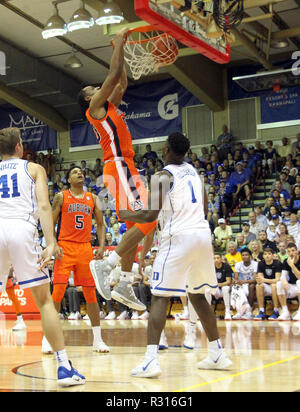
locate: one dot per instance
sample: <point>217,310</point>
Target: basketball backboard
<point>191,29</point>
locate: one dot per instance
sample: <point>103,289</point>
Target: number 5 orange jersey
<point>75,219</point>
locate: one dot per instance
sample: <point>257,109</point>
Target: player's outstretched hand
<point>120,36</point>
<point>46,256</point>
<point>98,255</point>
<point>58,252</point>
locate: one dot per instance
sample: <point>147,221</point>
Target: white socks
<point>62,359</point>
<point>152,352</point>
<point>97,334</point>
<point>214,348</point>
<point>113,259</point>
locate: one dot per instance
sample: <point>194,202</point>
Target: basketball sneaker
<point>46,347</point>
<point>111,316</point>
<point>20,325</point>
<point>222,362</point>
<point>190,337</point>
<point>135,315</point>
<point>124,293</point>
<point>123,316</point>
<point>260,316</point>
<point>274,316</point>
<point>144,316</point>
<point>100,271</point>
<point>100,347</point>
<point>227,315</point>
<point>284,316</point>
<point>163,343</point>
<point>71,377</point>
<point>148,369</point>
<point>296,316</point>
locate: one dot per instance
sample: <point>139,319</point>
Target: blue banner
<point>279,106</point>
<point>37,134</point>
<point>152,110</point>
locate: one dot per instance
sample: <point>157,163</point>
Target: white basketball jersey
<point>246,272</point>
<point>17,192</point>
<point>183,208</point>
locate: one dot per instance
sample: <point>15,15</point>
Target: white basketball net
<point>146,52</point>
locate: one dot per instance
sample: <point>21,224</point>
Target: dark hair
<point>290,245</point>
<point>9,138</point>
<point>84,105</point>
<point>268,249</point>
<point>69,172</point>
<point>178,143</point>
<point>246,250</point>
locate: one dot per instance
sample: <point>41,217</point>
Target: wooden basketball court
<point>265,356</point>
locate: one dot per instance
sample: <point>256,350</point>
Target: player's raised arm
<point>115,74</point>
<point>116,97</point>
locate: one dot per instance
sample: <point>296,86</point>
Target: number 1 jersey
<point>75,219</point>
<point>17,192</point>
<point>183,207</point>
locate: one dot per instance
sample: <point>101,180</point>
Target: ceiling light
<point>110,14</point>
<point>73,62</point>
<point>279,44</point>
<point>55,26</point>
<point>81,19</point>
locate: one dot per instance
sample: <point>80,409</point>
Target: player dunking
<point>23,200</point>
<point>119,174</point>
<point>73,210</point>
<point>185,255</point>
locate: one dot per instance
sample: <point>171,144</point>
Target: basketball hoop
<point>147,49</point>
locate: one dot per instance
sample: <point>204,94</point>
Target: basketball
<point>165,50</point>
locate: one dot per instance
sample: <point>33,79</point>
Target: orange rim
<point>144,29</point>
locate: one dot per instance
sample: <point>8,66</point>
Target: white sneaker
<point>111,316</point>
<point>163,343</point>
<point>284,316</point>
<point>237,316</point>
<point>77,316</point>
<point>102,314</point>
<point>86,317</point>
<point>135,315</point>
<point>20,325</point>
<point>190,337</point>
<point>123,315</point>
<point>247,316</point>
<point>148,369</point>
<point>71,316</point>
<point>182,316</point>
<point>222,362</point>
<point>100,347</point>
<point>297,316</point>
<point>46,347</point>
<point>61,316</point>
<point>145,315</point>
<point>227,315</point>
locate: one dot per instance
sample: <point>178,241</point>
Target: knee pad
<point>89,294</point>
<point>58,293</point>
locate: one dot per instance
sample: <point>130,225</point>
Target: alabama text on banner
<point>37,134</point>
<point>151,109</point>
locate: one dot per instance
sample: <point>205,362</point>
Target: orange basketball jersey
<point>113,133</point>
<point>75,220</point>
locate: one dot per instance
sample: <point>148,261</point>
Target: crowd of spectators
<point>230,172</point>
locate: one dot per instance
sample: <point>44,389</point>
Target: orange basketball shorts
<point>126,185</point>
<point>77,257</point>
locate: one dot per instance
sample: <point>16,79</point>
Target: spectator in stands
<point>284,149</point>
<point>289,284</point>
<point>222,235</point>
<point>231,162</point>
<point>268,274</point>
<point>245,276</point>
<point>257,251</point>
<point>116,235</point>
<point>281,190</point>
<point>109,240</point>
<point>265,243</point>
<point>229,192</point>
<point>224,277</point>
<point>274,210</point>
<point>58,184</point>
<point>240,242</point>
<point>284,180</point>
<point>213,209</point>
<point>107,214</point>
<point>282,233</point>
<point>233,256</point>
<point>255,226</point>
<point>269,202</point>
<point>292,176</point>
<point>240,178</point>
<point>283,204</point>
<point>249,236</point>
<point>260,217</point>
<point>282,254</point>
<point>255,161</point>
<point>98,168</point>
<point>295,200</point>
<point>271,232</point>
<point>51,164</point>
<point>294,227</point>
<point>150,154</point>
<point>224,142</point>
<point>28,150</point>
<point>286,215</point>
<point>270,158</point>
<point>296,145</point>
<point>43,161</point>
